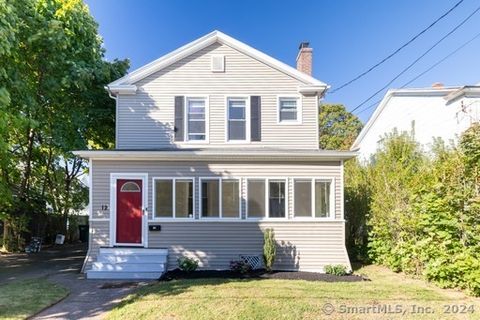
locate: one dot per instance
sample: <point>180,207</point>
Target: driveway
<point>88,299</point>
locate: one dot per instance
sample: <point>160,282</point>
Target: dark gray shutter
<point>179,116</point>
<point>255,118</point>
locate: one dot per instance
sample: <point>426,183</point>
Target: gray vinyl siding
<point>102,170</point>
<point>302,245</point>
<point>145,120</point>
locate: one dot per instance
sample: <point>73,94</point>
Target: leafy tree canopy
<point>338,128</point>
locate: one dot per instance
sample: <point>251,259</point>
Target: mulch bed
<point>178,274</point>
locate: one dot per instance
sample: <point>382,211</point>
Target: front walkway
<point>88,299</point>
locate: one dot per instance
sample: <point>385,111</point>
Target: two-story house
<point>215,142</point>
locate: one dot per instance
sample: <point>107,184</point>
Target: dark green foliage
<point>187,264</point>
<point>269,248</point>
<point>338,128</point>
<point>240,266</point>
<point>336,269</point>
<point>423,210</point>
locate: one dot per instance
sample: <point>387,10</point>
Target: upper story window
<point>236,119</point>
<point>289,110</point>
<point>196,121</point>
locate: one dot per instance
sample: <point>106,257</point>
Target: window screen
<point>322,199</point>
<point>288,109</point>
<point>164,198</point>
<point>184,198</point>
<point>196,119</point>
<point>237,124</point>
<point>256,198</point>
<point>303,198</point>
<point>230,199</point>
<point>276,199</point>
<point>210,198</point>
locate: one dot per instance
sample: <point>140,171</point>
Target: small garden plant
<point>187,264</point>
<point>336,269</point>
<point>269,249</point>
<point>240,266</point>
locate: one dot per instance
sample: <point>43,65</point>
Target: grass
<point>23,298</point>
<point>294,299</point>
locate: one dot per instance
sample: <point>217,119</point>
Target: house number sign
<point>104,207</point>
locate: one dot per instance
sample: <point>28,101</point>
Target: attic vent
<point>218,63</point>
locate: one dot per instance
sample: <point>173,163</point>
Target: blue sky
<point>347,36</point>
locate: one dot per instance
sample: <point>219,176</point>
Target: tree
<point>338,128</point>
<point>53,74</point>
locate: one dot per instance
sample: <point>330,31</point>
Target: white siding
<point>429,117</point>
<point>145,120</point>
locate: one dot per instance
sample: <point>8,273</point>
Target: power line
<point>418,59</point>
<point>398,50</point>
<point>427,70</point>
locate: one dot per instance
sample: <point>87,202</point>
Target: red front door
<point>129,211</point>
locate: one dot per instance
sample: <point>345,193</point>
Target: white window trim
<point>247,118</point>
<point>207,118</point>
<point>174,217</point>
<point>299,109</point>
<point>267,194</point>
<point>220,204</point>
<point>113,207</point>
<point>331,213</point>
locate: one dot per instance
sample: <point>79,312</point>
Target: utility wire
<point>398,50</point>
<point>418,59</point>
<point>427,70</point>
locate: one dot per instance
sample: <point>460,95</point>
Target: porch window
<point>276,199</point>
<point>313,198</point>
<point>173,198</point>
<point>210,198</point>
<point>237,120</point>
<point>196,123</point>
<point>256,199</point>
<point>220,198</point>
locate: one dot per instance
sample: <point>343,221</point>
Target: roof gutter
<point>121,89</point>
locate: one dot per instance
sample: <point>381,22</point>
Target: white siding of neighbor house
<point>429,116</point>
<point>302,245</point>
<point>145,120</point>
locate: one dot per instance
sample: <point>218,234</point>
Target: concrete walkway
<point>88,299</point>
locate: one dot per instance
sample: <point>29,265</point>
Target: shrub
<point>336,269</point>
<point>269,248</point>
<point>187,264</point>
<point>240,266</point>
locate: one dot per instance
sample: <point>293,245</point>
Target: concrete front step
<point>128,267</point>
<point>133,251</point>
<point>111,258</point>
<point>115,275</point>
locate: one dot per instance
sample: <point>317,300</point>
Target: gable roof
<point>125,83</point>
<point>421,92</point>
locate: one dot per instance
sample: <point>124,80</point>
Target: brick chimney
<point>304,58</point>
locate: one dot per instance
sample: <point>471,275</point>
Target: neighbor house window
<point>173,198</point>
<point>256,198</point>
<point>312,198</point>
<point>220,198</point>
<point>196,123</point>
<point>236,119</point>
<point>276,199</point>
<point>288,110</point>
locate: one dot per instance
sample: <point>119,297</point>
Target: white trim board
<point>203,42</point>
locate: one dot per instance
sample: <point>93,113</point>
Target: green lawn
<point>293,299</point>
<point>23,298</point>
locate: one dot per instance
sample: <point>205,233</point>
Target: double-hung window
<point>196,120</point>
<point>173,197</point>
<point>266,198</point>
<point>220,198</point>
<point>236,119</point>
<point>289,109</point>
<point>313,198</point>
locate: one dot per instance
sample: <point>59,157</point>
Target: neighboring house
<point>215,142</point>
<point>428,113</point>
